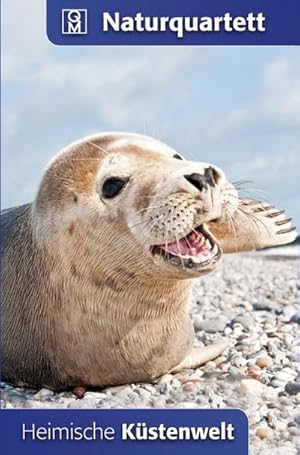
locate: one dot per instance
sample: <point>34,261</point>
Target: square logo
<point>74,22</point>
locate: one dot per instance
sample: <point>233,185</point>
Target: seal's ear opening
<point>113,186</point>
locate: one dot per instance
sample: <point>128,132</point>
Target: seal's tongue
<point>193,244</point>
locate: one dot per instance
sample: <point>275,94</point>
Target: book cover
<point>149,250</point>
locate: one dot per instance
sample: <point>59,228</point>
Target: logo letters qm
<point>74,21</point>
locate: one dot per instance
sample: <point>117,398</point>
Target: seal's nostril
<point>197,180</point>
<point>210,178</point>
<point>212,175</point>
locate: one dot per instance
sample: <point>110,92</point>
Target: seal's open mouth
<point>196,250</point>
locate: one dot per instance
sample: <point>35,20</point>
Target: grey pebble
<point>292,388</point>
<point>246,321</point>
<point>297,419</point>
<point>264,306</point>
<point>165,389</point>
<point>144,393</point>
<point>14,398</point>
<point>295,318</point>
<point>278,311</point>
<point>43,394</point>
<point>94,396</point>
<point>211,325</point>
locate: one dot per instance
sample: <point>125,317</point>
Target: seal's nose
<point>202,181</point>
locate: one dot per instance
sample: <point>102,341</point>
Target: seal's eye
<point>177,157</point>
<point>113,186</point>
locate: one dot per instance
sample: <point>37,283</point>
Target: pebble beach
<point>252,300</point>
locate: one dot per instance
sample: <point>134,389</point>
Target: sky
<point>236,107</point>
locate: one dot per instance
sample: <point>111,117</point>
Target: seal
<point>97,271</point>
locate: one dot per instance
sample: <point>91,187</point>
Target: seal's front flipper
<point>199,356</point>
<point>254,225</point>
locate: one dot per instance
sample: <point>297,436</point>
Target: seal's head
<point>131,202</point>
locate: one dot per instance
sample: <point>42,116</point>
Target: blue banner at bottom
<point>126,431</point>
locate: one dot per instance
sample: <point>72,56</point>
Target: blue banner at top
<point>173,22</point>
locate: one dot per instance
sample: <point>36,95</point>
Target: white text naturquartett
<point>181,25</point>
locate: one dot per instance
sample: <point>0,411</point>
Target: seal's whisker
<point>85,159</point>
<point>253,192</point>
<point>98,147</point>
<point>166,240</point>
<point>156,198</point>
<point>252,242</point>
<point>234,196</point>
<point>195,232</point>
<point>147,221</point>
<point>248,200</point>
<point>241,182</point>
<point>167,230</point>
<point>255,219</point>
<point>240,186</point>
<point>154,224</point>
<point>140,222</point>
<point>169,198</point>
<point>178,246</point>
<point>248,214</point>
<point>150,208</point>
<point>234,232</point>
<point>187,241</point>
<point>244,200</point>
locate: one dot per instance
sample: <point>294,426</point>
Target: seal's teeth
<point>196,259</point>
<point>215,249</point>
<point>208,244</point>
<point>182,256</point>
<point>202,241</point>
<point>199,259</point>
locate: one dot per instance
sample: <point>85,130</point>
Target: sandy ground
<point>253,300</point>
